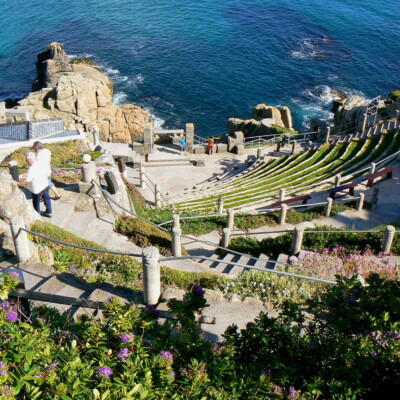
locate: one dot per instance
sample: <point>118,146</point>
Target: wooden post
<point>293,146</point>
<point>282,192</point>
<point>151,275</point>
<point>372,168</point>
<point>328,134</point>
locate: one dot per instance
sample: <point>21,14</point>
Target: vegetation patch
<point>90,265</point>
<point>144,234</point>
<point>346,347</point>
<point>352,242</point>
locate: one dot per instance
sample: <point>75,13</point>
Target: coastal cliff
<point>81,94</point>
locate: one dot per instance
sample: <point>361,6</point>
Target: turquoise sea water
<point>206,61</point>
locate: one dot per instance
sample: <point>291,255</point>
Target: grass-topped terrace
<point>295,172</point>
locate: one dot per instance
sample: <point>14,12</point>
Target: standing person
<point>38,180</point>
<point>210,145</point>
<point>182,142</point>
<point>44,156</point>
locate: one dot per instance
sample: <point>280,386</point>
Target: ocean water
<point>206,61</point>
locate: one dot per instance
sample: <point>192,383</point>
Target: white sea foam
<point>80,55</point>
<point>120,98</point>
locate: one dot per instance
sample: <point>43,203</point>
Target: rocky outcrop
<point>81,94</point>
<point>349,113</point>
<point>13,201</point>
<point>266,120</point>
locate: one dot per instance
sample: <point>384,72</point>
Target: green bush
<point>346,349</point>
<point>93,266</point>
<point>144,234</point>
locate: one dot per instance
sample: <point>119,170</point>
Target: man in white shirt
<point>37,177</point>
<point>44,157</point>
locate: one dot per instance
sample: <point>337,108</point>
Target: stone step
<point>35,274</point>
<point>62,213</point>
<point>262,261</point>
<point>236,269</point>
<point>80,221</point>
<point>99,230</point>
<point>223,267</point>
<point>168,163</point>
<point>210,263</point>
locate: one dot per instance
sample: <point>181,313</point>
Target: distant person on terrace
<point>38,180</point>
<point>44,156</point>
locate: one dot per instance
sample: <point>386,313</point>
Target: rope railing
<point>272,271</point>
<point>80,247</point>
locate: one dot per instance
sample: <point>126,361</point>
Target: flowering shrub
<point>349,350</point>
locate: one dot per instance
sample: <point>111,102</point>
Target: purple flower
<point>54,364</point>
<point>166,355</point>
<point>215,348</point>
<point>198,291</point>
<point>311,346</point>
<point>72,269</point>
<point>266,373</point>
<point>104,371</point>
<point>249,324</point>
<point>12,316</point>
<point>127,337</point>
<point>292,392</point>
<point>151,309</point>
<point>3,368</point>
<point>14,275</point>
<point>366,332</point>
<point>5,305</point>
<point>397,336</point>
<point>172,373</point>
<point>123,354</point>
<point>374,354</point>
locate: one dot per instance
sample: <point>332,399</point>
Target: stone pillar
<point>226,237</point>
<point>220,205</point>
<point>14,170</point>
<point>388,237</point>
<point>142,177</point>
<point>282,192</point>
<point>364,124</point>
<point>88,171</point>
<point>360,202</point>
<point>282,214</point>
<point>176,242</point>
<point>372,168</point>
<point>176,221</point>
<point>157,195</point>
<point>21,242</point>
<point>278,146</point>
<point>297,239</point>
<point>293,146</point>
<point>338,178</point>
<point>258,153</point>
<point>151,275</point>
<point>230,220</point>
<point>328,207</point>
<point>327,135</point>
<point>148,140</point>
<point>189,138</point>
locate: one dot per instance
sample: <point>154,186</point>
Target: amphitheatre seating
<point>303,199</point>
<point>386,171</point>
<point>332,192</point>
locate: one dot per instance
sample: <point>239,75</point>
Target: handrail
<point>5,217</point>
